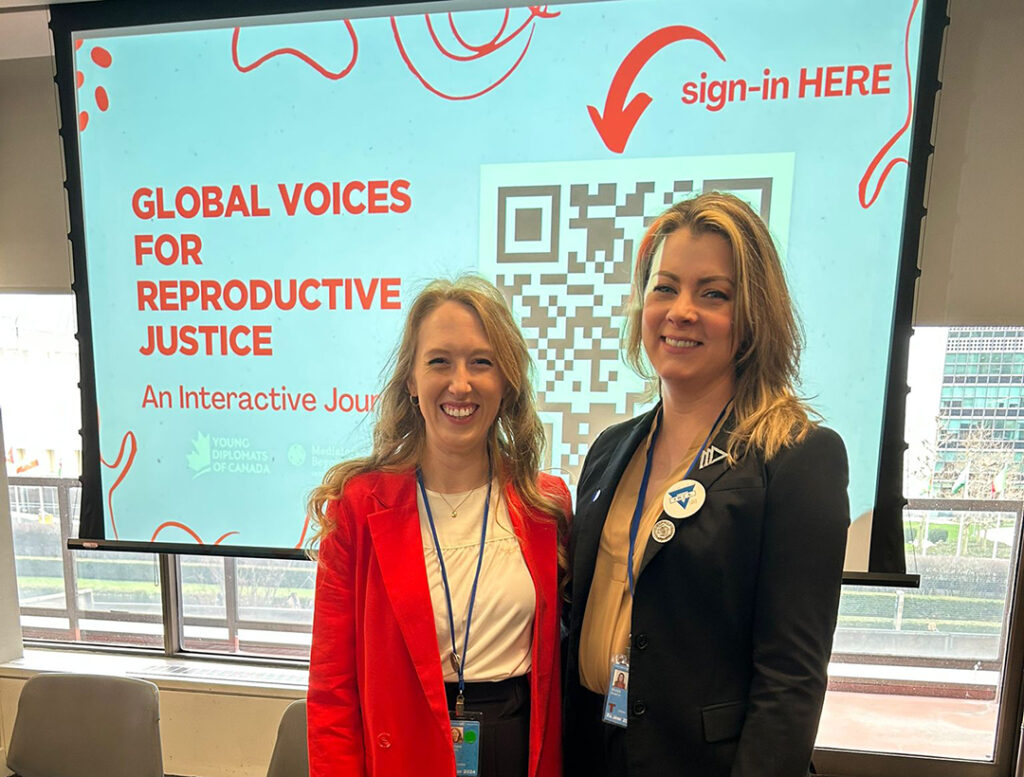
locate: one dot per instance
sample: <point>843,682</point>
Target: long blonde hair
<point>769,413</point>
<point>516,440</point>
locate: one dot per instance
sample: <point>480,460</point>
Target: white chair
<point>291,757</point>
<point>72,725</point>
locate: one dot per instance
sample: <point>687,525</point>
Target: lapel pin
<point>711,455</point>
<point>683,498</point>
<point>664,530</point>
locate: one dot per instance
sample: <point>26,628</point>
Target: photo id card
<point>615,709</point>
<point>466,743</point>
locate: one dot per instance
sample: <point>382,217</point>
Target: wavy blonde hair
<point>516,440</point>
<point>768,410</point>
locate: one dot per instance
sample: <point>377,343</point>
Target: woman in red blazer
<point>396,687</point>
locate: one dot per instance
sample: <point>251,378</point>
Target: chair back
<point>71,725</point>
<point>291,757</point>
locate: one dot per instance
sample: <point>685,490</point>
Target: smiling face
<point>457,381</point>
<point>687,317</point>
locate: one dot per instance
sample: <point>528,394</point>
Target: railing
<point>75,606</point>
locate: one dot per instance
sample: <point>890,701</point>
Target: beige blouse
<point>609,612</point>
<point>501,633</point>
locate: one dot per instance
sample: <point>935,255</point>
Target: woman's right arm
<point>334,718</point>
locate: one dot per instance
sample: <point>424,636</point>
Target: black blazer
<point>732,618</point>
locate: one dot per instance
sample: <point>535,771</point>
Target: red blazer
<point>376,702</point>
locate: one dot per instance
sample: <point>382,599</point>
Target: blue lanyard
<point>634,526</point>
<point>458,660</point>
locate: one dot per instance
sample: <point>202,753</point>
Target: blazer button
<point>384,741</point>
<point>642,642</point>
<point>639,708</point>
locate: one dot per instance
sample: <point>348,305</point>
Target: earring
<point>415,400</point>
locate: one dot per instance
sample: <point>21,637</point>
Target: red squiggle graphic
<point>189,531</point>
<point>129,438</point>
<point>471,47</point>
<point>866,202</point>
<point>302,537</point>
<point>491,46</point>
<point>536,12</point>
<point>300,55</point>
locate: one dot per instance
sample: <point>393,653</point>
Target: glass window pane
<point>248,606</point>
<point>35,522</point>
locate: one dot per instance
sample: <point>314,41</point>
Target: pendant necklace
<point>455,509</point>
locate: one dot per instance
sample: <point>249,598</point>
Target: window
<point>933,673</point>
<point>236,606</point>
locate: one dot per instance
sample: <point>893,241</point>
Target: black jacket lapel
<point>716,464</point>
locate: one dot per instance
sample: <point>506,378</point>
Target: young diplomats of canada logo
<point>230,455</point>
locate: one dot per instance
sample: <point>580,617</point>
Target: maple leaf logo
<point>199,459</point>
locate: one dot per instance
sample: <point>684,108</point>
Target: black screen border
<point>887,559</point>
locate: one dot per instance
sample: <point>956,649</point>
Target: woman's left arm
<point>806,517</point>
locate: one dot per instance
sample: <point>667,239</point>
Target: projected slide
<point>262,199</point>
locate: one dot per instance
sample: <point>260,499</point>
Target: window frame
<point>1009,738</point>
<point>172,610</point>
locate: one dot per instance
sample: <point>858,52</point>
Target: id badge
<point>466,742</point>
<point>615,708</point>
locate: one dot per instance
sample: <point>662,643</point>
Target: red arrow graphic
<point>618,120</point>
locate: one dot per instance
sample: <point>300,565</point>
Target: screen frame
<point>886,561</point>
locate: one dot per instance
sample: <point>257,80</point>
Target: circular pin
<point>664,530</point>
<point>683,499</point>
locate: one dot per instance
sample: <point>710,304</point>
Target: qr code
<point>562,253</point>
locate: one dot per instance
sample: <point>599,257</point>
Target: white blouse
<point>501,632</point>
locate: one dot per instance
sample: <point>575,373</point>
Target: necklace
<point>455,508</point>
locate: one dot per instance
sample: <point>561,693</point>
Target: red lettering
<point>307,303</point>
<point>880,79</point>
<point>254,192</point>
<point>143,247</point>
<point>261,341</point>
<point>213,204</point>
<point>290,201</point>
<point>332,285</point>
<point>243,294</point>
<point>400,195</point>
<point>161,211</point>
<point>350,187</point>
<point>168,295</point>
<point>194,203</point>
<point>236,203</point>
<point>857,75</point>
<point>378,197</point>
<point>189,293</point>
<point>209,291</point>
<point>256,301</point>
<point>806,81</point>
<point>147,295</point>
<point>320,190</point>
<point>389,291</point>
<point>165,249</point>
<point>142,206</point>
<point>834,80</point>
<point>241,350</point>
<point>190,245</point>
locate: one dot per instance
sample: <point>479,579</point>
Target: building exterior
<point>979,447</point>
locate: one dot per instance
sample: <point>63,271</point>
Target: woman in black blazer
<point>731,503</point>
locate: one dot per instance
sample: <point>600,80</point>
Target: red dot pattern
<point>83,120</point>
<point>102,101</point>
<point>101,56</point>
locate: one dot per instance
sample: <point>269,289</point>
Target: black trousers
<point>505,728</point>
